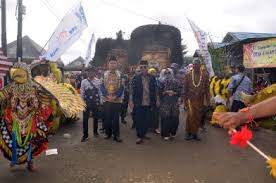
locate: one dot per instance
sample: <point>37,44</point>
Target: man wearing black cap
<point>112,91</point>
<point>90,94</point>
<point>143,99</point>
<point>239,83</point>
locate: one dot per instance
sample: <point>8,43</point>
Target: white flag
<point>202,41</point>
<point>68,31</point>
<point>88,53</point>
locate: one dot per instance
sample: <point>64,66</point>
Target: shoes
<point>203,129</point>
<point>172,137</point>
<point>166,138</point>
<point>146,138</point>
<point>157,131</point>
<point>123,121</point>
<point>107,137</point>
<point>188,137</point>
<point>96,134</point>
<point>195,137</point>
<point>102,130</point>
<point>30,167</point>
<point>84,139</point>
<point>139,141</point>
<point>117,139</point>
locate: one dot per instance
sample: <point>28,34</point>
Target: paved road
<point>156,161</point>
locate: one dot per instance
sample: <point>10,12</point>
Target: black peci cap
<point>112,58</point>
<point>144,62</point>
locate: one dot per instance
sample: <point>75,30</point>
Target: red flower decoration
<point>241,137</point>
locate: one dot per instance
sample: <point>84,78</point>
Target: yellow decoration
<point>71,105</point>
<point>264,94</point>
<point>272,164</point>
<point>212,83</point>
<point>19,75</point>
<point>218,109</point>
<point>55,71</point>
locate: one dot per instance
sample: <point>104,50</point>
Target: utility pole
<point>19,30</point>
<point>3,27</point>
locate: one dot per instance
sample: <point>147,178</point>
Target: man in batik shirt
<point>112,91</point>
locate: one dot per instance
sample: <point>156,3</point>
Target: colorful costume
<point>27,113</point>
<point>24,123</point>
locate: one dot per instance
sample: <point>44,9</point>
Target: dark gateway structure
<point>156,38</point>
<point>159,44</point>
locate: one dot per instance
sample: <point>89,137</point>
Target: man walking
<point>143,99</point>
<point>90,94</point>
<point>112,91</point>
<point>239,83</point>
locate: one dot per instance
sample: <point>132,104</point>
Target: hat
<point>144,62</point>
<point>174,65</point>
<point>196,60</point>
<point>152,71</point>
<point>241,67</point>
<point>91,69</point>
<point>112,58</point>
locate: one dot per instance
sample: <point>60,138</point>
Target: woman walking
<point>169,94</point>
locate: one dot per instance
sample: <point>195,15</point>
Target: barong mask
<point>20,73</point>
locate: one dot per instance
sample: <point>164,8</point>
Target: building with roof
<point>75,65</point>
<point>233,43</point>
<point>31,50</point>
<point>231,49</point>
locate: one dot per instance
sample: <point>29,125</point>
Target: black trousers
<point>86,115</point>
<point>111,119</point>
<point>124,110</point>
<point>237,105</point>
<point>154,118</point>
<point>169,126</point>
<point>142,119</point>
<point>133,115</point>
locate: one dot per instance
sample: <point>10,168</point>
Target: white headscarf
<point>164,77</point>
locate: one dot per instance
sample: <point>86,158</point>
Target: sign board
<point>261,54</point>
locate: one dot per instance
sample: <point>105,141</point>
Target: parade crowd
<point>153,97</point>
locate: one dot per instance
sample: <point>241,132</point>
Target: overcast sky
<point>216,17</point>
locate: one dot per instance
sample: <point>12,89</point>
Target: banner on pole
<point>201,38</point>
<point>89,50</point>
<point>260,54</point>
<point>67,32</point>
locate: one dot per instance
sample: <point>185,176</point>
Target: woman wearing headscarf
<point>169,93</point>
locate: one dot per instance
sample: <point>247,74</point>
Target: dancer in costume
<point>24,123</point>
<point>27,112</point>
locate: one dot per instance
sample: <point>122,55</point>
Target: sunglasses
<point>167,73</point>
<point>143,66</point>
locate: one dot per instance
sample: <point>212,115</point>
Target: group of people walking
<point>153,98</point>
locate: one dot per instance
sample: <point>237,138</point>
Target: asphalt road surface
<point>98,160</point>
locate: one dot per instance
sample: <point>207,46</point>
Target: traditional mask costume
<point>23,128</point>
<point>26,117</point>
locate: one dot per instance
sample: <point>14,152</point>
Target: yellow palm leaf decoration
<point>70,104</point>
